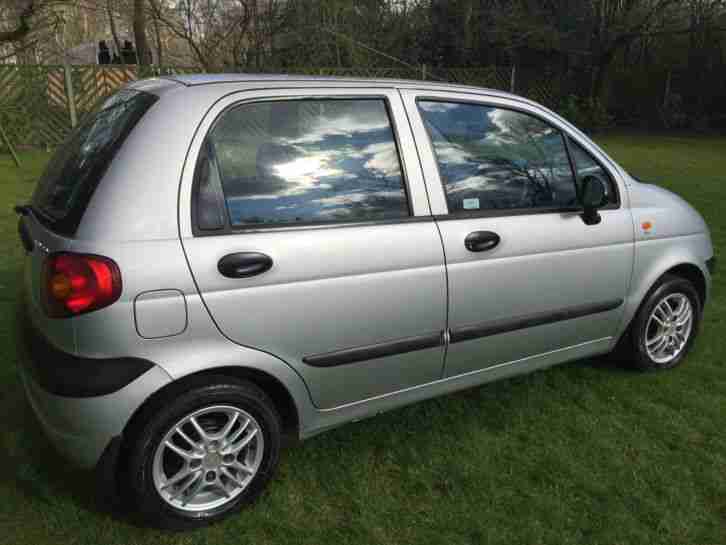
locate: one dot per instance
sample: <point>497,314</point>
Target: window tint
<point>302,161</point>
<point>586,166</point>
<point>493,158</point>
<point>78,165</point>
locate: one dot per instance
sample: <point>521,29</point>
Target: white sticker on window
<point>471,204</point>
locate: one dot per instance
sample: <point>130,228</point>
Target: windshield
<point>78,165</point>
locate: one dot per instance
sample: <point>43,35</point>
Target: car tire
<point>152,465</point>
<point>652,326</point>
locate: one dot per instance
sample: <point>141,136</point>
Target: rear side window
<point>300,161</point>
<point>78,165</point>
<point>498,159</point>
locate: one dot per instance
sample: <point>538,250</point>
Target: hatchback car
<point>215,263</point>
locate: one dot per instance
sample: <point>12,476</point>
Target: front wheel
<point>666,325</point>
<point>203,454</point>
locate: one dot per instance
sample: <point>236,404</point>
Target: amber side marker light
<point>78,283</point>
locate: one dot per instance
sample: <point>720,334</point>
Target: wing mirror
<point>593,197</point>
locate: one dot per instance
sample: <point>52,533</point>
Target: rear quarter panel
<point>132,218</point>
<point>137,199</point>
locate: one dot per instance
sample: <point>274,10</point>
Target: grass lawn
<point>584,453</point>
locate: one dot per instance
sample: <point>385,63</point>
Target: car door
<point>310,237</point>
<point>526,275</point>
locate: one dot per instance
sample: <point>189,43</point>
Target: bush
<point>672,115</point>
<point>589,114</point>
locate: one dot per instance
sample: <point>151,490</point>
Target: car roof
<point>193,80</point>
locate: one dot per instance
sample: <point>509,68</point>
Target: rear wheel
<point>203,454</point>
<point>666,325</point>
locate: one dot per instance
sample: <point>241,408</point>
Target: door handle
<point>244,264</point>
<point>481,241</point>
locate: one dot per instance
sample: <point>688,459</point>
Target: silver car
<point>217,263</point>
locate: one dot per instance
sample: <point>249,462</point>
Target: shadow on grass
<point>37,470</point>
<point>612,363</point>
<point>29,460</point>
<point>33,462</point>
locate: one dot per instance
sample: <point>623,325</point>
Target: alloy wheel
<point>208,458</point>
<point>669,327</point>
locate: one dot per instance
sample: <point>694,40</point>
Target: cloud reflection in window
<point>310,160</point>
<point>497,158</point>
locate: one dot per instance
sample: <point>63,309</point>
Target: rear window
<point>78,165</point>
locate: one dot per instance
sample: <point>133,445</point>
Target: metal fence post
<point>513,79</point>
<point>423,71</point>
<point>667,93</point>
<point>70,94</point>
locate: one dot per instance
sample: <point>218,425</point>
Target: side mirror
<point>594,196</point>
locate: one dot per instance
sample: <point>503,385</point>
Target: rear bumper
<point>81,427</point>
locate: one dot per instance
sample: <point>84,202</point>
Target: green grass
<point>584,453</point>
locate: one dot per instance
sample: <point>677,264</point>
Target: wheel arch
<point>112,467</point>
<point>279,394</point>
<point>645,278</point>
<point>694,275</point>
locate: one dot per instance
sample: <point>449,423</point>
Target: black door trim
<point>474,331</point>
<point>373,351</point>
<point>495,327</point>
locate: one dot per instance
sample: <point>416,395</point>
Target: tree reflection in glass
<point>494,158</point>
<point>309,161</point>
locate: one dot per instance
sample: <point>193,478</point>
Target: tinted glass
<point>303,161</point>
<point>78,165</point>
<point>492,158</point>
<point>586,166</point>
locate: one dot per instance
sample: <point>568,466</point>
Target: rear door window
<point>76,168</point>
<point>300,161</point>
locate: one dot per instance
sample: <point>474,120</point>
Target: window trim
<point>230,229</point>
<point>504,212</point>
<point>573,165</point>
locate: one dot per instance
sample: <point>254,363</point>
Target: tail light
<point>74,284</point>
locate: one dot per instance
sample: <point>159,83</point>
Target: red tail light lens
<point>79,283</point>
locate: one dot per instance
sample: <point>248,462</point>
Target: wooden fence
<point>39,105</point>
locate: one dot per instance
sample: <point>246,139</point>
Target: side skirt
<point>326,419</point>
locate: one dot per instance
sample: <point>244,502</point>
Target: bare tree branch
<point>23,27</point>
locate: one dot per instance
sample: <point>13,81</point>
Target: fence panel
<point>33,104</point>
<point>92,84</point>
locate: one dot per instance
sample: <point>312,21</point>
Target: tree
<point>213,31</point>
<point>22,27</point>
<point>139,24</point>
<point>27,28</point>
<point>598,30</point>
<point>617,24</point>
